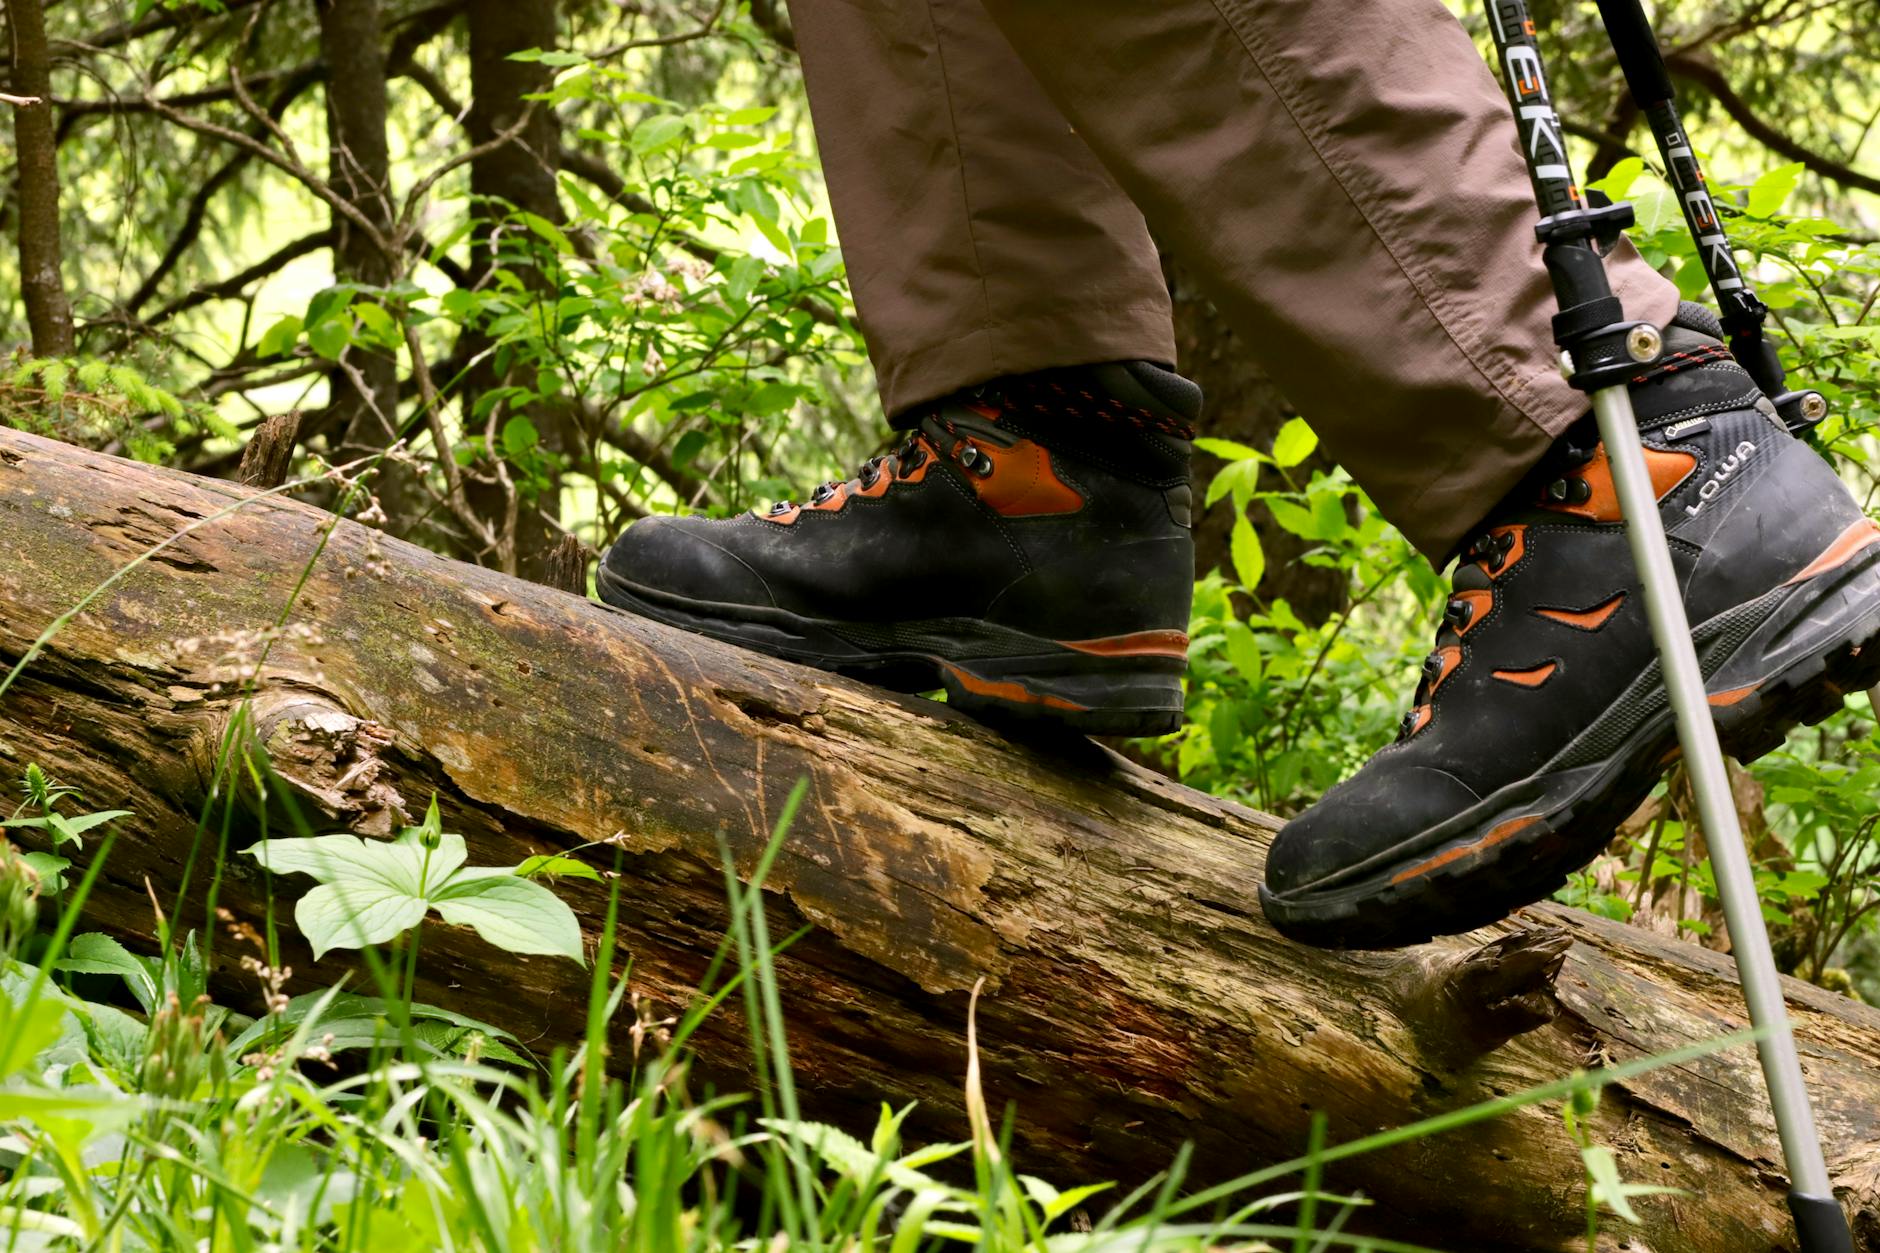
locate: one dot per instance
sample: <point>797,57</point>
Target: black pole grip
<point>1637,47</point>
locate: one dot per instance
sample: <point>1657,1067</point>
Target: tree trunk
<point>364,398</point>
<point>42,280</point>
<point>1135,999</point>
<point>519,174</point>
<point>1244,405</point>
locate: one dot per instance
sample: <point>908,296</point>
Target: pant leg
<point>982,236</point>
<point>1343,175</point>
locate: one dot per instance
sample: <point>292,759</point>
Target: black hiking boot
<point>1541,720</point>
<point>1027,549</point>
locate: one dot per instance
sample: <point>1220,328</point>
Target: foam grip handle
<point>1819,1224</point>
<point>1637,47</point>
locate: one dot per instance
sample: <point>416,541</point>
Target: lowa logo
<point>1725,468</point>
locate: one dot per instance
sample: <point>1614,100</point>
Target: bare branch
<point>1699,69</point>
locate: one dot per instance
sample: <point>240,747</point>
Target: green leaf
<point>97,954</point>
<point>555,867</point>
<point>329,339</point>
<point>1618,181</point>
<point>517,915</point>
<point>520,437</point>
<point>1294,517</point>
<point>1770,191</point>
<point>1239,478</point>
<point>662,130</point>
<point>1243,651</point>
<point>353,915</point>
<point>1228,450</point>
<point>50,867</point>
<point>1294,443</point>
<point>1249,557</point>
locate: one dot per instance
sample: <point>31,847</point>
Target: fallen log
<point>1135,998</point>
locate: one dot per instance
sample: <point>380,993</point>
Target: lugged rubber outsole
<point>996,674</point>
<point>1512,859</point>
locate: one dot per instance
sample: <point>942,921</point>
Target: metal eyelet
<point>1459,614</point>
<point>974,459</point>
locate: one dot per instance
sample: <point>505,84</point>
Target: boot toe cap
<point>678,557</point>
<point>1363,818</point>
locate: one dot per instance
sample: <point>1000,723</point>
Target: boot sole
<point>1128,685</point>
<point>1786,659</point>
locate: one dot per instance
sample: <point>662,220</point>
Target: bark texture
<point>1135,998</point>
<point>364,390</point>
<point>42,280</point>
<point>519,174</point>
<point>1244,405</point>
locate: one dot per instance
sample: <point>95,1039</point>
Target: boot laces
<point>932,431</point>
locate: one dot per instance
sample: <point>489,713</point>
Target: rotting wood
<point>1135,997</point>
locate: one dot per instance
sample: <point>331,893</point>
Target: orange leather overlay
<point>1723,700</point>
<point>1480,602</point>
<point>1532,677</point>
<point>1586,619</point>
<point>1668,469</point>
<point>1420,718</point>
<point>1516,550</point>
<point>1505,831</point>
<point>1023,483</point>
<point>1008,690</point>
<point>1139,644</point>
<point>1452,657</point>
<point>1858,537</point>
<point>837,499</point>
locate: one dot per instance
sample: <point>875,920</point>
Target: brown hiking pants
<point>1341,174</point>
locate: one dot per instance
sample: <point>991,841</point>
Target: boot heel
<point>1130,696</point>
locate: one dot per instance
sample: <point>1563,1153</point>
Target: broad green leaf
<point>279,340</point>
<point>50,867</point>
<point>1771,190</point>
<point>1238,478</point>
<point>657,132</point>
<point>1249,558</point>
<point>1618,181</point>
<point>329,339</point>
<point>98,954</point>
<point>1293,517</point>
<point>355,914</point>
<point>517,915</point>
<point>1294,443</point>
<point>1243,650</point>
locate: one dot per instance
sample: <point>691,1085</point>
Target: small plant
<point>372,891</point>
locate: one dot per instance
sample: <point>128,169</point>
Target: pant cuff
<point>1043,341</point>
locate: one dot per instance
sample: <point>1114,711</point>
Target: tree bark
<point>519,174</point>
<point>364,397</point>
<point>42,280</point>
<point>1135,999</point>
<point>1242,404</point>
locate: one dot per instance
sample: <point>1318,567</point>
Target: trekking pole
<point>1602,351</point>
<point>1742,312</point>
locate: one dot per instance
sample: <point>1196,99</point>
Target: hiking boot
<point>1027,549</point>
<point>1541,721</point>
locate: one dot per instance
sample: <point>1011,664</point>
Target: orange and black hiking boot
<point>1027,549</point>
<point>1541,719</point>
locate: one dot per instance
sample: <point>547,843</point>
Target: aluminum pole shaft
<point>1703,758</point>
